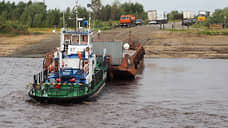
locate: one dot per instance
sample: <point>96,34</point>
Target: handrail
<point>40,88</point>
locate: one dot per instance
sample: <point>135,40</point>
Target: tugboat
<point>72,71</point>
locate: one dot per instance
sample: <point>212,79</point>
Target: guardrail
<point>40,77</point>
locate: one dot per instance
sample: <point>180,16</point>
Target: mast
<point>76,9</point>
<point>63,19</point>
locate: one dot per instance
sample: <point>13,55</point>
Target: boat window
<point>84,39</point>
<point>67,37</point>
<point>75,39</point>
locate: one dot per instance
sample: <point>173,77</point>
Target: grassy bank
<point>11,29</point>
<point>104,25</point>
<point>42,30</point>
<point>201,31</point>
<point>95,25</point>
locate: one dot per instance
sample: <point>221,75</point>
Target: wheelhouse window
<point>75,39</point>
<point>84,39</point>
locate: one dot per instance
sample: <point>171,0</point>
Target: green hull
<point>67,95</point>
<point>69,92</point>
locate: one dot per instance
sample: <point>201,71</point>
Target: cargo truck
<point>157,17</point>
<point>127,20</point>
<point>203,15</point>
<point>188,18</point>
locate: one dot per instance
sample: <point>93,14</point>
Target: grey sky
<point>165,5</point>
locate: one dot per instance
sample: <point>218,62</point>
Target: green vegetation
<point>36,15</point>
<point>175,16</point>
<point>13,29</point>
<point>104,25</point>
<point>114,11</point>
<point>201,31</point>
<point>217,18</point>
<point>214,32</point>
<point>202,28</point>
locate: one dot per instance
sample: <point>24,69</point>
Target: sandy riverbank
<point>28,45</point>
<point>157,43</point>
<point>166,44</point>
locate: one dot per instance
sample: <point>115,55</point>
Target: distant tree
<point>53,17</point>
<point>136,9</point>
<point>218,17</point>
<point>175,15</point>
<point>96,7</point>
<point>106,13</point>
<point>19,9</point>
<point>3,17</point>
<point>35,14</point>
<point>68,18</point>
<point>83,12</point>
<point>114,12</point>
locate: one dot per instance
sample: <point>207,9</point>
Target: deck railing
<point>40,88</point>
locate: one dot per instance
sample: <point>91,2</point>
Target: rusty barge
<point>124,59</point>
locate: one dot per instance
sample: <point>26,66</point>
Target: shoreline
<point>157,43</point>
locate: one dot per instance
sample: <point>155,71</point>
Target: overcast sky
<point>164,5</point>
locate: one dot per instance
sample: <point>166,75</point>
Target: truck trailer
<point>157,17</point>
<point>188,18</point>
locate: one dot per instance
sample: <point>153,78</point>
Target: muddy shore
<point>28,45</point>
<point>157,43</point>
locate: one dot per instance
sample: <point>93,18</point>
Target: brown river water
<point>167,93</point>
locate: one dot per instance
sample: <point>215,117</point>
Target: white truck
<point>157,17</point>
<point>188,18</point>
<point>188,15</point>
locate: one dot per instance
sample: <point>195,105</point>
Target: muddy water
<point>167,93</point>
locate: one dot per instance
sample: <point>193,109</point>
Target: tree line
<point>220,16</point>
<point>36,14</point>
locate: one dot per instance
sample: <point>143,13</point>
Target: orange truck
<point>127,20</point>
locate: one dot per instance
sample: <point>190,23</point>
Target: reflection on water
<point>188,93</point>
